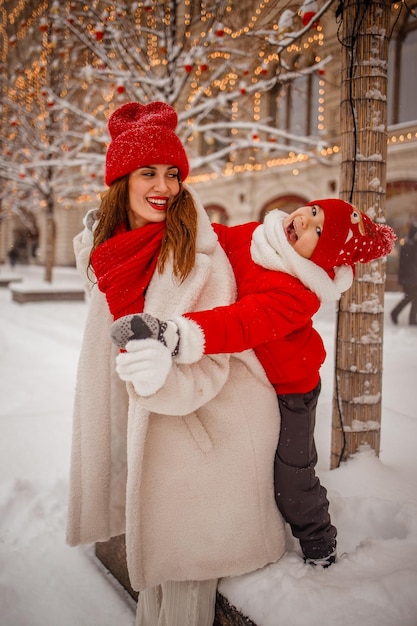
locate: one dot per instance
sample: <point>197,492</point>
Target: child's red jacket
<point>273,315</point>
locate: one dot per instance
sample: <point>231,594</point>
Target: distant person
<point>13,256</point>
<point>34,249</point>
<point>407,277</point>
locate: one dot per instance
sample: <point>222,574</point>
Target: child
<point>284,269</point>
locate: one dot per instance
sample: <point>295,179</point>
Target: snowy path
<point>45,583</point>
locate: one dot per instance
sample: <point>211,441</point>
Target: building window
<point>402,92</point>
<point>401,214</point>
<point>294,106</point>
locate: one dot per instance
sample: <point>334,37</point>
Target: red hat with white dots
<point>349,236</point>
<point>143,134</point>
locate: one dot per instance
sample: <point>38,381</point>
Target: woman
<point>180,457</point>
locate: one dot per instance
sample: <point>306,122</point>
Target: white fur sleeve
<point>82,255</point>
<point>188,387</point>
<point>192,340</point>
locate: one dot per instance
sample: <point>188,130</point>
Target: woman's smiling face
<point>152,188</point>
<point>303,228</point>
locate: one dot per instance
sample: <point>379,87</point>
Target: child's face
<point>303,228</point>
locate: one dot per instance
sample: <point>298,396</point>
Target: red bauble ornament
<point>307,17</point>
<point>308,11</point>
<point>188,68</point>
<point>219,31</point>
<point>99,32</point>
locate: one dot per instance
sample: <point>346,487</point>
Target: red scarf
<point>124,266</point>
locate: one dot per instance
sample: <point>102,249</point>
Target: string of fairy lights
<point>29,83</point>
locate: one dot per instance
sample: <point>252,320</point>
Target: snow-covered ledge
<point>26,284</point>
<point>6,279</point>
<point>30,292</point>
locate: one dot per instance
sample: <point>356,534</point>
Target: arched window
<point>284,203</point>
<point>217,214</point>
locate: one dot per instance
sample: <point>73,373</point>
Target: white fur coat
<point>186,473</point>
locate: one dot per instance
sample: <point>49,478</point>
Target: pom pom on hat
<point>143,134</point>
<point>349,236</point>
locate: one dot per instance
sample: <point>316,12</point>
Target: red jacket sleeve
<point>271,305</point>
<point>254,320</point>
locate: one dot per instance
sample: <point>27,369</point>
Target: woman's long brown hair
<point>180,235</point>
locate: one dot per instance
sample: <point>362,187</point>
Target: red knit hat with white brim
<point>349,236</point>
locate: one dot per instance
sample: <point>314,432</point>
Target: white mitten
<point>146,364</point>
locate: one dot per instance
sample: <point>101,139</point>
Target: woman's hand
<point>146,364</point>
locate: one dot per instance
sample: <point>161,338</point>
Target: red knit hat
<point>349,236</point>
<point>143,134</point>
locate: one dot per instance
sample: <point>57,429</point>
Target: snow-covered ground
<point>43,582</point>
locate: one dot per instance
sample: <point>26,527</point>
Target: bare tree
<point>365,31</point>
<point>70,64</point>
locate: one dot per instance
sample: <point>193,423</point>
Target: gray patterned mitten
<point>144,326</point>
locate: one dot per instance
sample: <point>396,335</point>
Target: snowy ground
<point>45,583</point>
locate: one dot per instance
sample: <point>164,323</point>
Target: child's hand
<point>144,326</point>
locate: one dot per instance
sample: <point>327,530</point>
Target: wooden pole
<point>356,417</point>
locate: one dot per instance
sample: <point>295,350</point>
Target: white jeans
<point>185,603</point>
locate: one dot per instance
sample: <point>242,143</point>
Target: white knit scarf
<point>271,249</point>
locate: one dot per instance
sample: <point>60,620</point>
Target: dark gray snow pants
<point>299,495</point>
